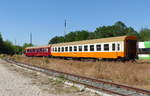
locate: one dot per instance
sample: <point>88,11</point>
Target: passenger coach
<point>38,51</point>
<point>123,47</point>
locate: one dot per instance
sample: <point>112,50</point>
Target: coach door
<point>131,48</point>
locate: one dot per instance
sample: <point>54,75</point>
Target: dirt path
<point>15,81</point>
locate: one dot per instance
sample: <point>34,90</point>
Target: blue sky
<point>45,18</point>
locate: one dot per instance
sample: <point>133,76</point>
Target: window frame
<point>93,48</point>
<point>58,49</point>
<point>75,47</point>
<point>80,48</point>
<point>118,46</point>
<point>62,49</point>
<point>99,47</point>
<point>104,45</point>
<point>70,47</point>
<point>113,47</point>
<point>66,48</point>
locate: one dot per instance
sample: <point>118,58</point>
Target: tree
<point>131,32</point>
<point>120,24</point>
<point>56,39</point>
<point>1,44</point>
<point>8,47</point>
<point>117,29</point>
<point>70,37</point>
<point>25,45</point>
<point>144,34</point>
<point>81,35</point>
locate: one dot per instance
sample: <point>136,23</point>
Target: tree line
<point>117,29</point>
<point>7,47</point>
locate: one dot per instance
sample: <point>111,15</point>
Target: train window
<point>66,49</point>
<point>70,49</point>
<point>85,47</point>
<point>55,49</point>
<point>118,47</point>
<point>58,49</point>
<point>80,48</point>
<point>91,47</point>
<point>62,49</point>
<point>106,47</point>
<point>75,48</point>
<point>113,47</point>
<point>47,50</point>
<point>44,49</point>
<point>98,47</point>
<point>144,51</point>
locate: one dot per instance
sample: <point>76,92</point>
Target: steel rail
<point>101,85</point>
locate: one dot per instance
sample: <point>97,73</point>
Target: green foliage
<point>27,45</point>
<point>144,34</point>
<point>8,47</point>
<point>56,39</point>
<point>81,35</point>
<point>1,44</point>
<point>118,29</point>
<point>19,49</point>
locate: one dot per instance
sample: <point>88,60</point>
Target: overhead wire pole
<point>31,38</point>
<point>65,25</point>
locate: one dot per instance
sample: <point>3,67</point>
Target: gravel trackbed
<point>16,81</point>
<point>14,84</point>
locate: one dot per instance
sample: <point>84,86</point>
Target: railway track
<point>99,85</point>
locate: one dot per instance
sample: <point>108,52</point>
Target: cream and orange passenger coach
<point>115,48</point>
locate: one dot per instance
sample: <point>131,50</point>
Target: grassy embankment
<point>135,74</point>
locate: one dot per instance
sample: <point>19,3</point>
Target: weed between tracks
<point>135,74</point>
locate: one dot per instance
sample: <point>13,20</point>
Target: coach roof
<point>101,40</point>
<point>34,47</point>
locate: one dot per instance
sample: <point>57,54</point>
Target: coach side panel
<point>98,50</point>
